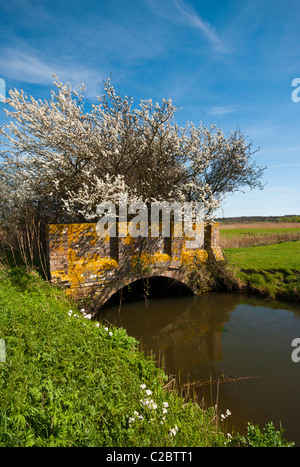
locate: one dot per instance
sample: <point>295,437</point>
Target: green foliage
<point>267,437</point>
<point>289,219</point>
<point>256,280</point>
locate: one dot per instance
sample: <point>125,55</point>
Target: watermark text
<point>2,90</point>
<point>296,91</point>
<point>159,219</point>
<point>296,352</point>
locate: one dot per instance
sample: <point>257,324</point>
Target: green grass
<point>278,256</point>
<point>272,270</point>
<point>230,233</point>
<point>68,381</point>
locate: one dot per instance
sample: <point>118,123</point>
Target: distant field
<point>229,233</point>
<point>260,225</point>
<point>279,256</point>
<point>263,233</point>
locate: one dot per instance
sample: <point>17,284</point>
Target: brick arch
<point>93,268</point>
<point>103,296</point>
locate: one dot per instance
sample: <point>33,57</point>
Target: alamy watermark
<point>296,92</point>
<point>159,219</point>
<point>296,352</point>
<point>2,90</point>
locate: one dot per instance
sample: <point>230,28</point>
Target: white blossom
<point>67,161</point>
<point>88,316</point>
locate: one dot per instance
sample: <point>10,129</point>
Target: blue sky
<point>231,63</point>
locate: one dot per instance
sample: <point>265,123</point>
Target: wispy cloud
<point>221,110</point>
<point>196,21</point>
<point>28,66</point>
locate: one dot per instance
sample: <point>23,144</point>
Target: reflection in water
<point>198,338</point>
<point>184,332</point>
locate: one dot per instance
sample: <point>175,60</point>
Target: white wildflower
<point>227,413</point>
<point>149,403</point>
<point>173,431</point>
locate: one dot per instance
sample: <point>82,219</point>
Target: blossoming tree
<point>64,161</point>
<point>59,161</point>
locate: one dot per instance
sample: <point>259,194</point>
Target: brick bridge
<point>93,269</point>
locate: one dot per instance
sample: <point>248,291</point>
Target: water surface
<point>221,335</point>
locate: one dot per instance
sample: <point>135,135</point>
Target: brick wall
<point>82,261</point>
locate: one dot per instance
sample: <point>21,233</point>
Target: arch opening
<point>150,288</point>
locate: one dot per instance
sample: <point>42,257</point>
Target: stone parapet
<point>85,263</point>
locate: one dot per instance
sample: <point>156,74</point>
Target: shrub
<point>267,437</point>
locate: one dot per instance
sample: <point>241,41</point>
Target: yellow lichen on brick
<point>128,240</point>
<point>77,231</point>
<point>193,257</point>
<point>56,228</point>
<point>147,260</point>
<point>159,258</point>
<point>91,264</point>
<point>60,276</point>
<point>218,254</point>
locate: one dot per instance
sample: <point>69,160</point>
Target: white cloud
<point>27,66</point>
<point>195,20</point>
<point>221,110</point>
<point>182,13</point>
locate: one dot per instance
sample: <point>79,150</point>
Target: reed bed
<point>243,235</point>
<point>258,240</point>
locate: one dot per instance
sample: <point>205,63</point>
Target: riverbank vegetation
<point>263,258</point>
<point>66,380</point>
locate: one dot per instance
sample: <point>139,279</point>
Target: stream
<point>241,341</point>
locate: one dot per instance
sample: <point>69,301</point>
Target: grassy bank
<point>68,381</point>
<point>270,270</point>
